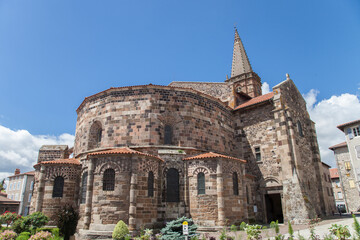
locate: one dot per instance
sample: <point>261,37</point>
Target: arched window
<point>83,187</point>
<point>172,185</point>
<point>95,135</point>
<point>109,180</point>
<point>151,184</point>
<point>235,183</point>
<point>300,129</point>
<point>168,135</point>
<point>201,183</point>
<point>58,187</point>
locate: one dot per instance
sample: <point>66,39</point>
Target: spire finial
<point>287,76</point>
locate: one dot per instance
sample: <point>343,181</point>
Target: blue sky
<point>55,53</point>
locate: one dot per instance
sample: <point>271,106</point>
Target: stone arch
<point>95,135</point>
<point>58,173</point>
<point>101,169</point>
<point>201,169</point>
<point>271,182</point>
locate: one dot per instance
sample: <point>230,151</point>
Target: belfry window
<point>109,180</point>
<point>151,184</point>
<point>168,132</point>
<point>201,183</point>
<point>58,187</point>
<point>172,185</point>
<point>83,187</point>
<point>98,136</point>
<point>235,183</point>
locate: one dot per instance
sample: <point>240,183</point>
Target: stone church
<point>218,152</point>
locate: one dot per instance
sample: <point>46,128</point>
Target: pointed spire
<point>240,62</point>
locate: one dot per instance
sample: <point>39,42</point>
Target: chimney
<point>17,171</point>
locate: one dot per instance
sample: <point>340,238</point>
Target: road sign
<point>185,228</point>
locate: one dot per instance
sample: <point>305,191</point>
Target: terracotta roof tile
<point>212,155</point>
<point>256,100</point>
<point>343,144</point>
<point>342,126</point>
<point>124,150</point>
<point>70,161</point>
<point>25,173</point>
<point>334,173</point>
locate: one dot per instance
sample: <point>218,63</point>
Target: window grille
<point>109,180</point>
<point>58,187</point>
<point>151,184</point>
<point>201,183</point>
<point>172,185</point>
<point>235,184</point>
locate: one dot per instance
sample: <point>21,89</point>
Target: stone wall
<point>52,152</point>
<point>137,116</point>
<point>329,199</point>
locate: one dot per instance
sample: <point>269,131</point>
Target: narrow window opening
<point>109,180</point>
<point>168,135</point>
<point>235,184</point>
<point>201,183</point>
<point>172,185</point>
<point>300,129</point>
<point>151,184</point>
<point>83,188</point>
<point>257,154</point>
<point>58,187</point>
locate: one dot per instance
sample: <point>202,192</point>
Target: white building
<point>20,188</point>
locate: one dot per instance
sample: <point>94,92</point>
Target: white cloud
<point>19,149</point>
<point>265,88</point>
<point>327,114</point>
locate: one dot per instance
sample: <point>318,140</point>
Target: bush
<point>173,229</point>
<point>67,220</point>
<point>8,235</point>
<point>253,232</point>
<point>120,231</point>
<point>8,218</point>
<point>356,227</point>
<point>340,231</point>
<point>30,223</point>
<point>24,236</point>
<point>52,230</point>
<point>242,226</point>
<point>41,236</point>
<point>233,228</point>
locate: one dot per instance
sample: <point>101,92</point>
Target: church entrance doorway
<point>274,207</point>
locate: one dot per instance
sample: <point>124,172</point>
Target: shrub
<point>67,220</point>
<point>233,228</point>
<point>37,220</point>
<point>8,218</point>
<point>8,235</point>
<point>340,231</point>
<point>120,231</point>
<point>18,226</point>
<point>173,229</point>
<point>24,236</point>
<point>242,226</point>
<point>41,236</point>
<point>291,231</point>
<point>356,227</point>
<point>253,232</point>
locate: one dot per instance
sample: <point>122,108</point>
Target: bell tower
<point>246,83</point>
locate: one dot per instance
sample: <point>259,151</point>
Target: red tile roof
<point>212,155</point>
<point>334,173</point>
<point>343,144</point>
<point>124,150</point>
<point>342,126</point>
<point>25,173</point>
<point>68,161</point>
<point>256,100</point>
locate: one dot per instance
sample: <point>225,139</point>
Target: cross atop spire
<point>240,62</point>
